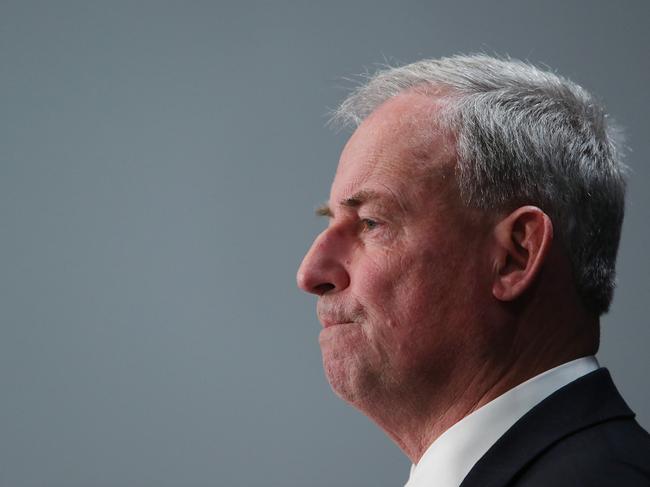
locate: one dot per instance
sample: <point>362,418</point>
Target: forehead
<point>397,148</point>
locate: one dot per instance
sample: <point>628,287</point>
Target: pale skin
<point>431,309</point>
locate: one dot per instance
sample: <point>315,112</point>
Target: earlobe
<point>522,242</point>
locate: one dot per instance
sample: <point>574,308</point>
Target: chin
<point>349,379</point>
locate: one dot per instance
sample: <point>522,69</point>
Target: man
<point>474,221</point>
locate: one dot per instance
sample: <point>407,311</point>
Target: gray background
<point>159,167</point>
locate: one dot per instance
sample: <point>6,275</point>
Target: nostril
<point>323,288</point>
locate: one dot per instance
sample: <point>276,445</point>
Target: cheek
<point>423,304</point>
<point>378,290</point>
<point>396,301</point>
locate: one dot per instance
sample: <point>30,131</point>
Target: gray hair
<point>524,136</point>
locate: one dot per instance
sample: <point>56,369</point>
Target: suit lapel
<point>587,401</point>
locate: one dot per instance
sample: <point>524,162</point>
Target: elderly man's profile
<point>474,222</point>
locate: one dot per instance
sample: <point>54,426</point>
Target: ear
<point>523,240</point>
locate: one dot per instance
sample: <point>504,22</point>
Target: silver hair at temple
<point>523,136</point>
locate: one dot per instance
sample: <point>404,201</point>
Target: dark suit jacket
<point>582,435</point>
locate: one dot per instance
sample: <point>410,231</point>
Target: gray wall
<point>159,166</point>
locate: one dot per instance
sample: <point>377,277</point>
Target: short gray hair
<point>524,136</point>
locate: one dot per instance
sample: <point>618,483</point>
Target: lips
<point>327,323</point>
<point>331,313</point>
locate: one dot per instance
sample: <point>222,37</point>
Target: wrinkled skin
<point>430,309</point>
<point>400,277</point>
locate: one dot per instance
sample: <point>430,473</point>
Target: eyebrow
<point>324,210</point>
<point>355,201</point>
<point>359,198</point>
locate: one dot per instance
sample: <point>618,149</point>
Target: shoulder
<point>612,453</point>
<point>582,435</point>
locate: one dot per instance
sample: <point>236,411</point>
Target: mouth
<point>332,314</point>
<point>330,323</point>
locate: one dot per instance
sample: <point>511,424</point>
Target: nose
<point>323,269</point>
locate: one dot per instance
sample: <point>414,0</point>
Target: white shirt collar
<point>450,458</point>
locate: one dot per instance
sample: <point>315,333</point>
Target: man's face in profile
<point>399,268</point>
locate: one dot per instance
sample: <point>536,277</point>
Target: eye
<point>369,224</point>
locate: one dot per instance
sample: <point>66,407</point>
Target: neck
<point>419,416</point>
<point>414,417</point>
